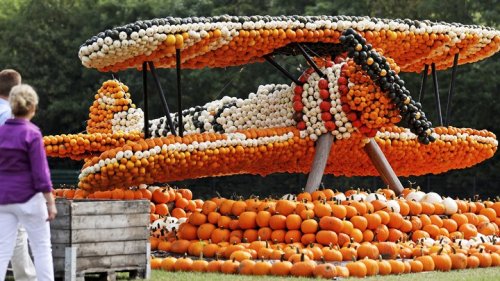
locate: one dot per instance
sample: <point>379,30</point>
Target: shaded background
<point>41,40</point>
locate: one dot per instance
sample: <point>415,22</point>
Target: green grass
<point>486,274</point>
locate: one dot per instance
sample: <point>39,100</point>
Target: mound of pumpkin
<point>324,234</point>
<point>167,204</point>
<point>328,233</point>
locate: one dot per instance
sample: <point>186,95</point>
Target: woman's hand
<point>52,210</point>
<point>51,205</point>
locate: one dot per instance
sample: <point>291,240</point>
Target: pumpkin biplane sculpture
<point>339,117</point>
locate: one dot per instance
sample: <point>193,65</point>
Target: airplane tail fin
<point>113,110</point>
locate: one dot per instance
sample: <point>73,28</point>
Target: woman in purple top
<point>25,185</point>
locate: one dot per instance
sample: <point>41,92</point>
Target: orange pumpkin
<point>155,263</point>
<point>326,271</point>
<point>303,268</point>
<point>246,267</point>
<point>427,262</point>
<point>371,266</point>
<point>281,268</point>
<point>367,250</point>
<point>458,261</point>
<point>167,264</point>
<point>230,267</point>
<point>357,269</point>
<point>247,220</point>
<point>442,262</point>
<point>262,268</point>
<point>285,207</point>
<point>183,264</point>
<point>199,265</point>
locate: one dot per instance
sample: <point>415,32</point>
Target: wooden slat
<point>99,235</point>
<point>100,221</point>
<point>103,248</point>
<point>60,236</point>
<point>109,235</point>
<point>140,270</point>
<point>109,207</point>
<point>63,208</point>
<point>101,264</point>
<point>60,222</point>
<point>70,264</point>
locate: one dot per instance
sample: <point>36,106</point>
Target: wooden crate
<point>103,237</point>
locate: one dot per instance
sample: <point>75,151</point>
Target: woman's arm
<point>41,174</point>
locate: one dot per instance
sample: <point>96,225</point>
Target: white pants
<point>22,265</point>
<point>33,216</point>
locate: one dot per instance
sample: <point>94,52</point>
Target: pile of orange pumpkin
<point>328,233</point>
<point>169,201</point>
<point>164,201</point>
<point>72,193</point>
<point>230,40</point>
<point>324,234</point>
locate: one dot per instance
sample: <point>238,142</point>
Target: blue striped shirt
<point>5,112</point>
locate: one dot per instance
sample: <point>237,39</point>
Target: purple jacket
<point>24,170</point>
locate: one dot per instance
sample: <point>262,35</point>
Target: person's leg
<point>22,265</point>
<point>33,216</point>
<point>8,233</point>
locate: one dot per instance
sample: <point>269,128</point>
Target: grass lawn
<point>482,274</point>
<point>486,274</point>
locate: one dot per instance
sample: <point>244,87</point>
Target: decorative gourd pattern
<point>230,40</point>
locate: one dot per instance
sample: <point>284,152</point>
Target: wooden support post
<point>323,146</point>
<point>147,274</point>
<point>383,167</point>
<point>70,263</point>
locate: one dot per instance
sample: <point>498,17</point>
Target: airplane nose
<point>345,100</point>
<point>317,103</point>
